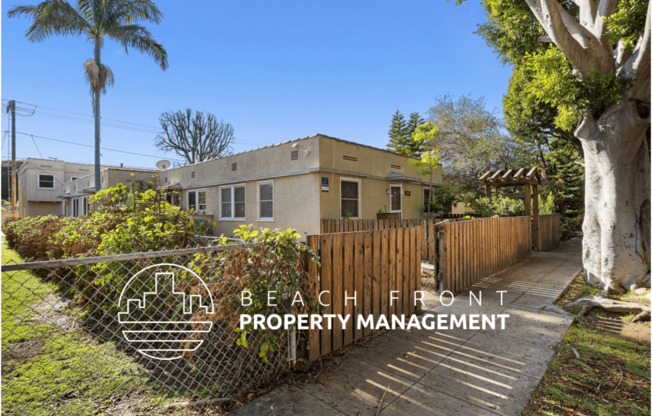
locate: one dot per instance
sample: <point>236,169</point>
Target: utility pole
<point>14,175</point>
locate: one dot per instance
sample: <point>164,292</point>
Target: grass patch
<point>47,370</point>
<point>21,291</point>
<point>611,376</point>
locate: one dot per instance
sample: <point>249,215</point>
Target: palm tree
<point>96,19</point>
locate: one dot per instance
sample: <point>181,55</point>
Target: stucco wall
<point>373,197</point>
<point>376,170</point>
<point>296,199</point>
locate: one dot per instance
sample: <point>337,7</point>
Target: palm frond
<point>126,12</point>
<point>52,17</point>
<point>138,37</point>
<point>99,76</point>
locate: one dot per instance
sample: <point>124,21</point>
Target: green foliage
<point>444,197</point>
<point>470,140</point>
<point>504,205</point>
<point>627,23</point>
<point>500,206</point>
<point>511,29</point>
<point>273,266</point>
<point>31,236</point>
<point>401,133</point>
<point>554,83</point>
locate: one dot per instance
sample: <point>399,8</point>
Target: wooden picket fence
<point>371,263</point>
<point>329,226</point>
<point>549,231</point>
<point>467,251</point>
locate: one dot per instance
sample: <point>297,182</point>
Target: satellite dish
<point>163,164</point>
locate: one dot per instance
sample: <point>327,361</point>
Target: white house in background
<point>55,187</point>
<point>297,183</point>
<point>41,180</point>
<point>76,192</point>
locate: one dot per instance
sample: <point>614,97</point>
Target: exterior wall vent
<point>192,174</point>
<point>294,155</point>
<point>234,166</point>
<point>350,158</point>
<point>397,167</point>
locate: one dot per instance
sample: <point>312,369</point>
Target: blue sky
<point>275,70</point>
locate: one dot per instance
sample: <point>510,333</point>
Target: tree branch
<point>581,47</point>
<point>196,138</point>
<point>637,67</point>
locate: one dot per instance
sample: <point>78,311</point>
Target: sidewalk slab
<point>454,372</point>
<point>287,401</point>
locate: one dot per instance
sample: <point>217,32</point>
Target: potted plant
<point>382,214</point>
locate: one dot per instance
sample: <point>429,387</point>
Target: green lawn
<point>46,369</point>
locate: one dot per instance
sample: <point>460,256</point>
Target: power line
<point>92,146</point>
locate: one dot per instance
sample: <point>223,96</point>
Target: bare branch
<point>581,47</point>
<point>605,9</point>
<point>194,137</point>
<point>637,67</point>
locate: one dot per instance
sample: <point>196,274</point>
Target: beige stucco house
<point>297,183</point>
<point>40,181</point>
<point>76,192</point>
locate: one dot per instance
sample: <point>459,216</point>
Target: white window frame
<point>344,179</point>
<point>54,181</point>
<point>198,207</point>
<point>393,185</point>
<point>232,188</point>
<point>270,182</point>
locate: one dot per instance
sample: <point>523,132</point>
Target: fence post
<point>313,335</point>
<point>441,261</point>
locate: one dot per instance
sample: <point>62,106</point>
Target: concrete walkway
<point>455,372</point>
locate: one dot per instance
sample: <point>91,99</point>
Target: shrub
<point>277,264</point>
<point>32,236</point>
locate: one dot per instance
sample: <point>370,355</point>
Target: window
<point>45,181</point>
<point>350,198</point>
<point>85,205</point>
<point>395,192</point>
<point>197,200</point>
<point>72,178</point>
<point>172,198</point>
<point>266,200</point>
<point>75,207</point>
<point>232,202</point>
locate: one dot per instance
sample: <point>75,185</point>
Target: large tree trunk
<point>616,245</point>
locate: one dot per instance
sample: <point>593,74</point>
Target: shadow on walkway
<point>451,372</point>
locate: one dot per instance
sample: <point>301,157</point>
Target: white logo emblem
<point>160,319</point>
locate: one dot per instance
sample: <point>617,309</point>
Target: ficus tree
<point>97,20</point>
<point>588,63</point>
<point>195,136</point>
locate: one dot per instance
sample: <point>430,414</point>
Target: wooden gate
<point>371,264</point>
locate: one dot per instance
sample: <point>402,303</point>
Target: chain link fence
<point>143,333</point>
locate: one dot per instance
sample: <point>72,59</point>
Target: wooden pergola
<point>529,179</point>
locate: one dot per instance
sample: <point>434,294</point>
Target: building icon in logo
<point>164,310</point>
